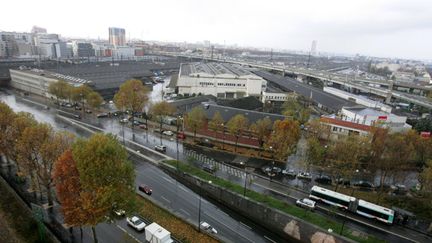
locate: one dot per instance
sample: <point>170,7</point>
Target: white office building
<point>372,117</point>
<point>222,80</point>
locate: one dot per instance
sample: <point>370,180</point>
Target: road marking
<point>181,209</point>
<point>165,199</point>
<point>170,181</point>
<point>269,239</point>
<point>124,230</point>
<point>245,225</point>
<point>184,189</point>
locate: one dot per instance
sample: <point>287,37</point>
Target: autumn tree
<point>60,89</point>
<point>94,100</point>
<point>426,177</point>
<point>293,108</point>
<point>68,190</point>
<point>79,93</point>
<point>236,126</point>
<point>107,178</point>
<point>6,117</point>
<point>161,110</point>
<point>132,96</point>
<point>216,123</point>
<point>28,148</point>
<point>262,129</point>
<point>50,151</point>
<point>344,156</point>
<point>284,138</point>
<point>195,119</point>
<point>21,121</point>
<point>38,148</point>
<point>315,152</point>
<point>318,129</point>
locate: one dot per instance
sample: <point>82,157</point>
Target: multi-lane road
<point>166,191</point>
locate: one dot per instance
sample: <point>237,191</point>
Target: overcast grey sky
<point>393,28</point>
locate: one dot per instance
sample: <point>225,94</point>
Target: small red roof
<point>347,124</point>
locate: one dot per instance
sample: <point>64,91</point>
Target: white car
<point>119,212</point>
<point>304,175</point>
<point>124,120</point>
<point>136,223</point>
<point>168,133</point>
<point>208,227</point>
<point>306,203</point>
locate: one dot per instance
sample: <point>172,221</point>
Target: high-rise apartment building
<point>117,36</point>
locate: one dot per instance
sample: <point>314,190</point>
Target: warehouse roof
<point>213,69</point>
<point>317,95</point>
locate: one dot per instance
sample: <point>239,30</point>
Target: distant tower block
<point>314,48</point>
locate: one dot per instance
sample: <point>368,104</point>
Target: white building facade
<point>222,80</point>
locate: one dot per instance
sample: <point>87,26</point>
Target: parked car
<point>88,111</point>
<point>323,179</point>
<point>77,116</point>
<point>136,223</point>
<point>136,123</point>
<point>124,120</point>
<point>143,126</point>
<point>206,226</point>
<point>289,172</point>
<point>306,203</point>
<point>209,168</point>
<point>146,189</point>
<point>78,108</point>
<point>160,148</point>
<point>364,184</point>
<point>102,115</point>
<point>342,181</point>
<point>181,135</point>
<point>304,176</point>
<point>119,212</point>
<point>168,133</point>
<point>157,130</point>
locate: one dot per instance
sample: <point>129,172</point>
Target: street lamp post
<point>271,169</point>
<point>199,206</point>
<point>246,176</point>
<point>178,128</point>
<point>223,135</point>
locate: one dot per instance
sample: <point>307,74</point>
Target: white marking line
<point>170,181</point>
<point>124,230</point>
<point>165,199</point>
<point>269,239</point>
<point>188,214</point>
<point>184,189</point>
<point>247,226</point>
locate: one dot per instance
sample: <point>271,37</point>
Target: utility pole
<point>212,49</point>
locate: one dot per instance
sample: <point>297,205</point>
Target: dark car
<point>143,126</point>
<point>364,184</point>
<point>78,108</point>
<point>323,179</point>
<point>102,115</point>
<point>209,168</point>
<point>342,181</point>
<point>146,189</point>
<point>77,116</point>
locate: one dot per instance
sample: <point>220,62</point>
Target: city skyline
<point>375,28</point>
